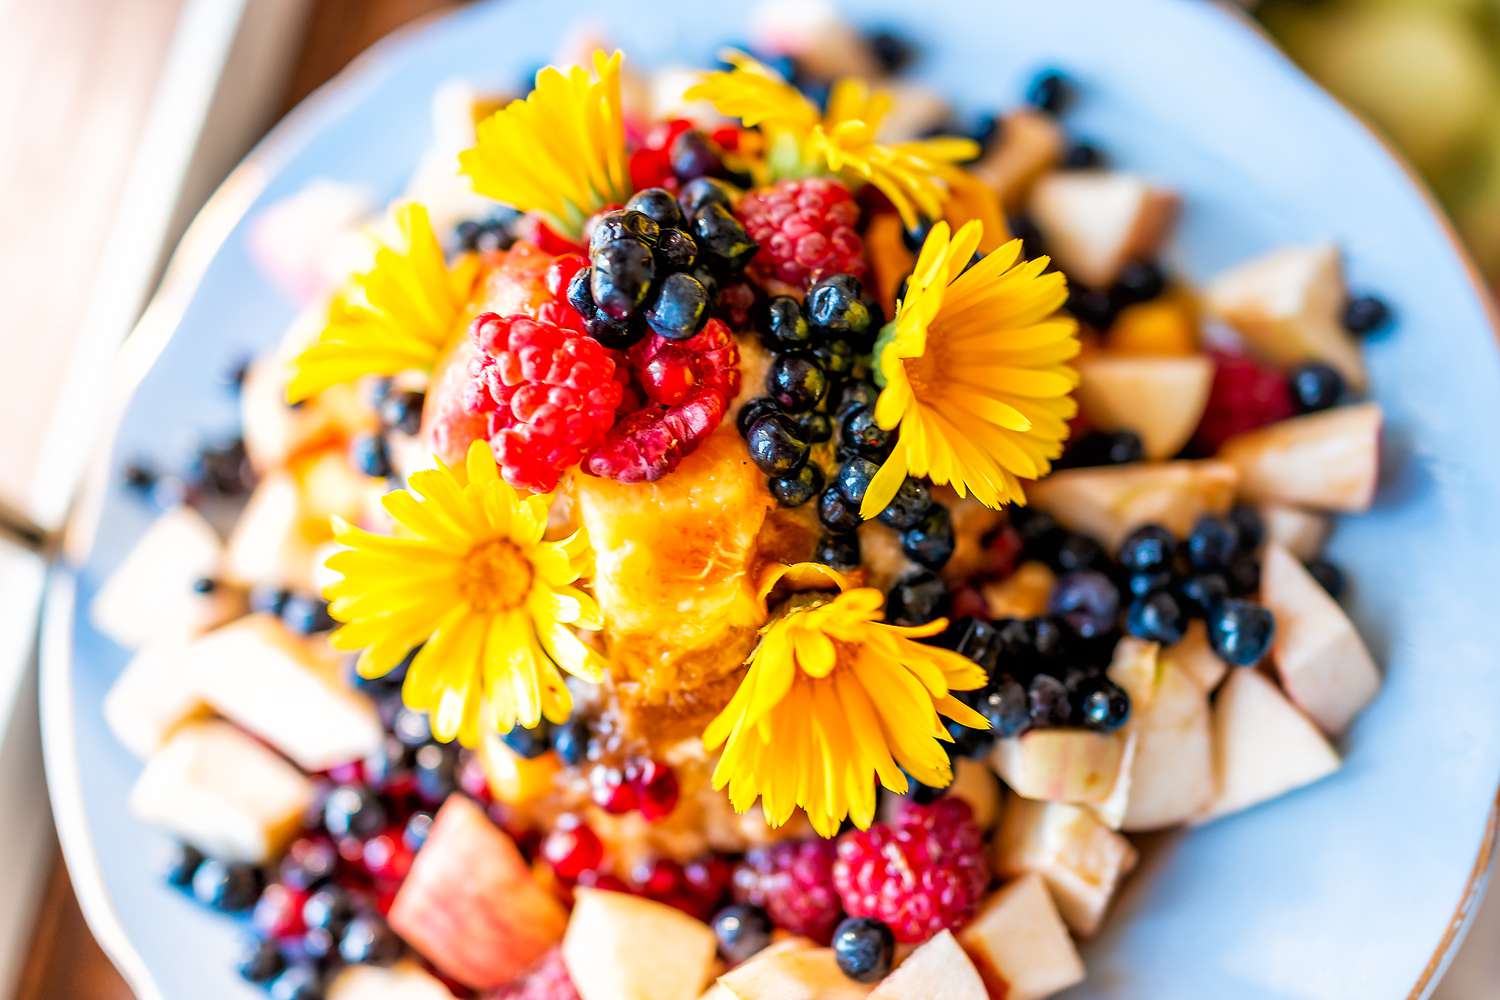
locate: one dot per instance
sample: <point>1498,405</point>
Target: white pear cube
<point>1301,532</point>
<point>151,595</point>
<point>1029,145</point>
<point>406,980</point>
<point>1060,765</point>
<point>1094,222</point>
<point>1172,775</point>
<point>153,697</point>
<point>1327,461</point>
<point>220,790</point>
<point>1112,808</point>
<point>974,782</point>
<point>1135,668</point>
<point>623,947</point>
<point>273,544</point>
<point>938,970</point>
<point>1023,594</point>
<point>1019,943</point>
<point>1323,663</point>
<point>1288,305</point>
<point>1263,746</point>
<point>1196,656</point>
<point>1111,501</point>
<point>1160,399</point>
<point>791,970</point>
<point>1081,860</point>
<point>287,690</point>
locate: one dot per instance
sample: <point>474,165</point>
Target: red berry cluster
<point>1245,395</point>
<point>647,786</point>
<point>793,882</point>
<point>651,161</point>
<point>806,231</point>
<point>547,980</point>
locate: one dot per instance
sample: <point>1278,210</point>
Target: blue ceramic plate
<point>1355,888</point>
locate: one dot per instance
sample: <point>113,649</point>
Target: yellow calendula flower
<point>397,316</point>
<point>975,372</point>
<point>915,176</point>
<point>560,151</point>
<point>836,699</point>
<point>469,579</point>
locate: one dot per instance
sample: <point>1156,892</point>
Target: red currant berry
<point>572,849</point>
<point>658,878</point>
<point>561,271</point>
<point>610,791</point>
<point>278,913</point>
<point>386,856</point>
<point>655,790</point>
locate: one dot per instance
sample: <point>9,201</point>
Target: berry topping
<point>793,882</point>
<point>1245,395</point>
<point>920,874</point>
<point>806,229</point>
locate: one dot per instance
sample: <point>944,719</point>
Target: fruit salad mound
<point>741,534</point>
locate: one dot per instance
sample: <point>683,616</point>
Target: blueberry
<point>486,235</point>
<point>621,277</point>
<point>1088,601</point>
<point>1213,543</point>
<point>1092,307</point>
<point>388,764</point>
<point>414,834</point>
<point>854,479</point>
<point>695,155</point>
<point>225,886</point>
<point>1103,448</point>
<point>659,205</point>
<point>705,191</point>
<point>411,727</point>
<point>269,600</point>
<point>930,542</point>
<point>1079,552</point>
<point>299,982</point>
<point>864,949</point>
<point>753,411</point>
<point>580,296</point>
<point>836,358</point>
<point>402,411</point>
<point>305,614</point>
<point>182,862</point>
<point>1039,533</point>
<point>1024,228</point>
<point>1049,91</point>
<point>1204,592</point>
<point>678,307</point>
<point>1006,706</point>
<point>330,908</point>
<point>1329,576</point>
<point>353,812</point>
<point>796,488</point>
<point>615,334</point>
<point>1141,584</point>
<point>721,236</point>
<point>1048,703</point>
<point>1147,549</point>
<point>675,251</point>
<point>437,773</point>
<point>974,638</point>
<point>986,130</point>
<point>854,394</point>
<point>838,551</point>
<point>260,961</point>
<point>1156,617</point>
<point>1083,156</point>
<point>529,743</point>
<point>320,945</point>
<point>1139,281</point>
<point>1101,705</point>
<point>835,306</point>
<point>775,446</point>
<point>815,427</point>
<point>782,325</point>
<point>1247,522</point>
<point>916,599</point>
<point>1243,574</point>
<point>920,794</point>
<point>371,456</point>
<point>863,436</point>
<point>742,930</point>
<point>909,506</point>
<point>891,49</point>
<point>623,224</point>
<point>308,864</point>
<point>369,940</point>
<point>1240,631</point>
<point>1364,314</point>
<point>914,236</point>
<point>571,740</point>
<point>797,383</point>
<point>837,513</point>
<point>1316,386</point>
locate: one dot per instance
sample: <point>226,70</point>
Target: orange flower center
<point>495,576</point>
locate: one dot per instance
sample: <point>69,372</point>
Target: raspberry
<point>921,874</point>
<point>805,230</point>
<point>794,883</point>
<point>549,393</point>
<point>547,980</point>
<point>1245,395</point>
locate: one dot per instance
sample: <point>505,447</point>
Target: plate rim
<point>160,323</point>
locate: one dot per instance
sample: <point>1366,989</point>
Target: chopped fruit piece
<point>403,981</point>
<point>938,970</point>
<point>974,783</point>
<point>793,882</point>
<point>621,947</point>
<point>287,690</point>
<point>547,980</point>
<point>1172,775</point>
<point>1245,395</point>
<point>1060,765</point>
<point>791,970</point>
<point>275,433</point>
<point>513,779</point>
<point>1110,502</point>
<point>1195,656</point>
<point>1030,144</point>
<point>1323,664</point>
<point>1287,304</point>
<point>274,543</point>
<point>1263,746</point>
<point>1020,945</point>
<point>221,791</point>
<point>1300,532</point>
<point>470,905</point>
<point>806,231</point>
<point>921,873</point>
<point>1160,399</point>
<point>1023,594</point>
<point>1081,859</point>
<point>1326,461</point>
<point>1094,222</point>
<point>151,595</point>
<point>152,698</point>
<point>1164,327</point>
<point>1135,669</point>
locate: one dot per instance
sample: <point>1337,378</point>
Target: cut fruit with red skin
<point>470,905</point>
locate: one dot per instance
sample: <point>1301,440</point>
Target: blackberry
<point>835,306</point>
<point>678,307</point>
<point>797,383</point>
<point>623,224</point>
<point>621,276</point>
<point>909,505</point>
<point>775,446</point>
<point>838,551</point>
<point>863,436</point>
<point>657,204</point>
<point>752,411</point>
<point>917,598</point>
<point>1156,617</point>
<point>675,251</point>
<point>930,541</point>
<point>837,513</point>
<point>796,488</point>
<point>1316,386</point>
<point>722,238</point>
<point>782,325</point>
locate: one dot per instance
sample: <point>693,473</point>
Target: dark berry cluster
<point>489,233</point>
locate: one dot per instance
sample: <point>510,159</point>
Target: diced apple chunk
<point>272,543</point>
<point>1300,532</point>
<point>287,690</point>
<point>1287,304</point>
<point>1196,656</point>
<point>1030,144</point>
<point>1023,594</point>
<point>470,905</point>
<point>1080,859</point>
<point>1161,399</point>
<point>1327,461</point>
<point>791,970</point>
<point>1263,746</point>
<point>1094,222</point>
<point>1134,668</point>
<point>151,595</point>
<point>1323,663</point>
<point>1172,775</point>
<point>1110,502</point>
<point>938,970</point>
<point>223,792</point>
<point>152,698</point>
<point>405,980</point>
<point>624,947</point>
<point>1019,944</point>
<point>1060,765</point>
<point>974,782</point>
